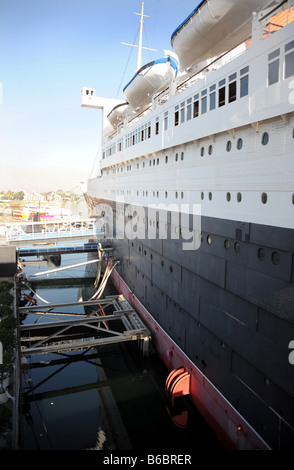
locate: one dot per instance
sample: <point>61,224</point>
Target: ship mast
<point>139,46</point>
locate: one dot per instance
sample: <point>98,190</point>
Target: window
<point>212,97</point>
<point>289,59</point>
<point>222,93</point>
<point>189,109</point>
<point>196,106</point>
<point>203,101</point>
<point>229,146</point>
<point>244,81</point>
<point>183,112</point>
<point>239,143</point>
<point>177,115</point>
<point>157,126</point>
<point>265,138</point>
<point>232,87</point>
<point>165,120</point>
<point>273,67</point>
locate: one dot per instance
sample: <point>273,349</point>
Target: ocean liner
<point>195,191</point>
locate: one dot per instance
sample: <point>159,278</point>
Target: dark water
<point>106,399</point>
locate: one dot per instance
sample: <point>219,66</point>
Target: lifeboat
<point>214,27</point>
<point>150,79</point>
<point>117,114</point>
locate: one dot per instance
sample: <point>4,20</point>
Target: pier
<point>87,331</point>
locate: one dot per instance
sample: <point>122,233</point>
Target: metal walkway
<point>84,332</point>
<point>39,250</point>
<point>52,231</point>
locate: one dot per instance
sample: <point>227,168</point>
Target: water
<point>106,399</point>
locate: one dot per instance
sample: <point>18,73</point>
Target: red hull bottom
<point>227,423</point>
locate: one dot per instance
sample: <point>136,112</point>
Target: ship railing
<point>46,230</point>
<point>276,18</point>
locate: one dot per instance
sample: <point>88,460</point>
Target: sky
<point>49,50</point>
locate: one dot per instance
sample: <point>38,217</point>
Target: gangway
<point>20,233</point>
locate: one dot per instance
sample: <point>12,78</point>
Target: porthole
<point>265,138</point>
<point>227,244</point>
<point>261,254</point>
<point>229,146</point>
<point>210,196</point>
<point>237,247</point>
<point>275,257</point>
<point>165,194</point>
<point>176,195</point>
<point>292,198</point>
<point>202,196</point>
<point>208,239</point>
<point>210,149</point>
<point>239,143</point>
<point>239,197</point>
<point>228,197</point>
<point>182,156</point>
<point>202,152</point>
<point>166,159</point>
<point>176,157</point>
<point>162,264</point>
<point>264,198</point>
<point>182,195</point>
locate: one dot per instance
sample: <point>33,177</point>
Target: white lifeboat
<point>214,27</point>
<point>118,113</point>
<point>150,79</point>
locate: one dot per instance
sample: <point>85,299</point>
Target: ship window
<point>196,106</point>
<point>229,146</point>
<point>202,152</point>
<point>149,130</point>
<point>222,93</point>
<point>289,59</point>
<point>264,198</point>
<point>244,81</point>
<point>232,87</point>
<point>210,150</point>
<point>176,115</point>
<point>239,144</point>
<point>265,138</point>
<point>203,102</point>
<point>183,112</point>
<point>228,197</point>
<point>212,102</point>
<point>165,120</point>
<point>189,109</point>
<point>176,157</point>
<point>157,126</point>
<point>273,67</point>
<point>166,159</point>
<point>239,197</point>
<point>202,195</point>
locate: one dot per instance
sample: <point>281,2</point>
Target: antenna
<point>140,47</point>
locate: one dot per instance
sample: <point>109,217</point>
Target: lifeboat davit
<point>118,114</point>
<point>214,27</point>
<point>150,79</point>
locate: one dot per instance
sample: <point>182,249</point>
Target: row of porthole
<point>239,144</point>
<point>239,197</point>
<point>275,256</point>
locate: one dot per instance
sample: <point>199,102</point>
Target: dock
<point>84,332</point>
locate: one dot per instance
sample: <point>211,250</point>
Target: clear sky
<point>49,50</point>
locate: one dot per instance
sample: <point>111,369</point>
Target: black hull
<point>229,305</point>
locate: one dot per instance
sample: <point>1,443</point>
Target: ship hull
<point>226,309</point>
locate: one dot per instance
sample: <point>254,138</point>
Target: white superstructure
<point>223,140</point>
